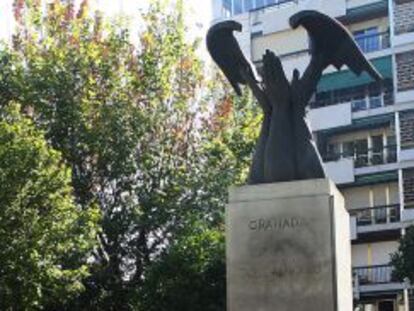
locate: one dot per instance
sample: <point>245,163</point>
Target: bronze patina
<point>285,149</point>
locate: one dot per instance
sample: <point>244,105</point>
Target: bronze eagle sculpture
<point>285,150</point>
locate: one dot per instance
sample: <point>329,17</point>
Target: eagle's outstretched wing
<point>225,51</point>
<point>333,42</point>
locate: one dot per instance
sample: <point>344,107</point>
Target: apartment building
<point>364,130</point>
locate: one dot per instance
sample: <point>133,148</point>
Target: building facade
<point>364,130</point>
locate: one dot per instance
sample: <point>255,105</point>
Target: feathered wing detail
<point>226,53</point>
<point>333,42</point>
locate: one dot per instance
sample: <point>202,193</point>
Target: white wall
<point>277,19</point>
<point>330,117</point>
<point>341,171</point>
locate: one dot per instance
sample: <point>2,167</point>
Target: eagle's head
<point>224,27</point>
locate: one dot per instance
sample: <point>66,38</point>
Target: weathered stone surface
<point>403,16</point>
<point>288,248</point>
<point>405,71</point>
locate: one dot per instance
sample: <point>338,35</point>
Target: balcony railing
<point>272,4</point>
<point>374,275</point>
<point>361,98</point>
<point>371,157</point>
<point>374,42</point>
<point>385,214</point>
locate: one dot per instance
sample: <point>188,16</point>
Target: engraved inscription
<point>276,224</point>
<point>283,270</point>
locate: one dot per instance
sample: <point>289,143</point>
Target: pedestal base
<point>288,248</point>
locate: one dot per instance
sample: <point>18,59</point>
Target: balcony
<point>362,98</point>
<point>270,4</point>
<point>373,42</point>
<point>230,8</point>
<point>366,158</point>
<point>386,214</point>
<point>367,222</point>
<point>373,275</point>
<point>375,278</point>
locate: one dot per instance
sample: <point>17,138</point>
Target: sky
<point>198,19</point>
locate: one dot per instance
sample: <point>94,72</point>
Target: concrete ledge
<point>263,192</point>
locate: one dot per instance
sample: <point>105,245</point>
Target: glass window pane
<point>348,149</point>
<point>361,146</point>
<point>358,98</point>
<point>377,150</point>
<point>361,150</point>
<point>333,153</point>
<point>260,3</point>
<point>237,7</point>
<point>323,99</point>
<point>391,149</point>
<point>343,95</point>
<point>388,92</point>
<point>372,39</point>
<point>359,104</point>
<point>375,102</point>
<point>368,39</point>
<point>364,218</point>
<point>248,5</point>
<point>359,38</point>
<point>380,215</point>
<point>377,143</point>
<point>227,8</point>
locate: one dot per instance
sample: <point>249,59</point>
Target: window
<point>358,98</point>
<point>368,39</point>
<point>382,150</point>
<point>359,104</point>
<point>333,153</point>
<point>380,215</point>
<point>348,149</point>
<point>369,96</point>
<point>361,153</point>
<point>377,150</point>
<point>227,8</point>
<point>374,94</point>
<point>248,5</point>
<point>391,149</point>
<point>260,3</point>
<point>388,92</point>
<point>322,99</point>
<point>237,7</point>
<point>364,218</point>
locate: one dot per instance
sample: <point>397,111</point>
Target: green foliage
<point>234,128</point>
<point>44,237</point>
<point>148,139</point>
<point>403,259</point>
<point>189,276</point>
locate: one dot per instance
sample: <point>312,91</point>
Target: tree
<point>190,273</point>
<point>189,276</point>
<point>403,258</point>
<point>45,238</point>
<point>143,138</point>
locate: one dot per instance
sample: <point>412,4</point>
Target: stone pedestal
<point>288,248</point>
